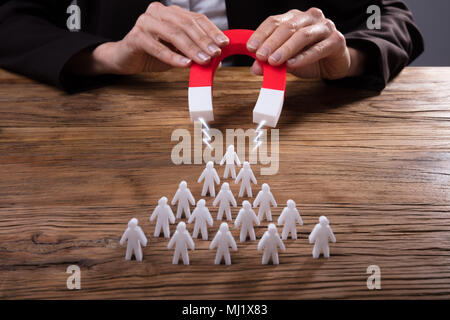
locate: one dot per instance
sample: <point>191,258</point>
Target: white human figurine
<point>264,199</point>
<point>230,158</point>
<point>223,241</point>
<point>163,214</point>
<point>135,237</point>
<point>246,218</point>
<point>209,175</point>
<point>225,197</point>
<point>270,243</point>
<point>182,241</point>
<point>246,175</point>
<point>202,218</point>
<point>289,217</point>
<point>183,196</point>
<point>319,236</point>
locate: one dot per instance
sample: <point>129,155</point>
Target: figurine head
<point>133,223</point>
<point>224,227</point>
<point>162,202</point>
<point>225,186</point>
<point>265,187</point>
<point>210,165</point>
<point>183,185</point>
<point>291,204</point>
<point>246,205</point>
<point>230,148</point>
<point>201,203</point>
<point>181,227</point>
<point>323,221</point>
<point>272,229</point>
<point>246,165</point>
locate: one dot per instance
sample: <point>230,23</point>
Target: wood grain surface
<point>75,168</point>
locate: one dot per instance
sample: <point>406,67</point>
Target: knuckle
<point>339,39</point>
<point>272,20</point>
<point>289,25</point>
<point>329,24</point>
<point>154,5</point>
<point>205,40</point>
<point>142,20</point>
<point>294,12</point>
<point>306,33</point>
<point>316,12</point>
<point>201,17</point>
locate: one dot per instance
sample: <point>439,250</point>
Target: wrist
<point>357,62</point>
<point>91,62</point>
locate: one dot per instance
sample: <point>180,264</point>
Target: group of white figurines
<point>246,218</point>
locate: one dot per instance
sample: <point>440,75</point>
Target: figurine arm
<point>193,215</point>
<point>190,241</point>
<point>239,177</point>
<point>257,200</point>
<point>223,159</point>
<point>142,237</point>
<point>175,197</point>
<point>282,217</point>
<point>216,177</point>
<point>124,237</point>
<point>154,214</point>
<point>255,217</point>
<point>252,176</point>
<point>216,200</point>
<point>191,198</point>
<point>231,241</point>
<point>214,242</point>
<point>313,235</point>
<point>171,215</point>
<point>333,238</point>
<point>236,158</point>
<point>232,199</point>
<point>299,218</point>
<point>209,219</point>
<point>202,176</point>
<point>272,200</point>
<point>173,240</point>
<point>262,242</point>
<point>280,243</point>
<point>237,222</point>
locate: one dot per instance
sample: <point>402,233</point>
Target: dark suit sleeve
<point>389,49</point>
<point>34,44</point>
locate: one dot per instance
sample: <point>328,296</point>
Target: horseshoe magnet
<point>271,97</point>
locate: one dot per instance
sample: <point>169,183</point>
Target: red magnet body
<point>271,97</point>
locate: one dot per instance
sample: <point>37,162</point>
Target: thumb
<point>256,69</point>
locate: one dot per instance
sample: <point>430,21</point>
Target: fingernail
<point>222,39</point>
<point>263,52</point>
<point>213,48</point>
<point>292,60</point>
<point>276,56</point>
<point>253,44</point>
<point>203,56</point>
<point>185,60</point>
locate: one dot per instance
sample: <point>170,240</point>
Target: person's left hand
<point>308,43</point>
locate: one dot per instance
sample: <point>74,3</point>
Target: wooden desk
<point>74,170</point>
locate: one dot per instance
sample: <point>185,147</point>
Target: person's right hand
<point>163,37</point>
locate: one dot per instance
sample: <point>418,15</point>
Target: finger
<point>161,52</point>
<point>262,33</point>
<point>175,36</point>
<point>212,31</point>
<point>317,52</point>
<point>302,39</point>
<point>256,69</point>
<point>188,22</point>
<point>281,34</point>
